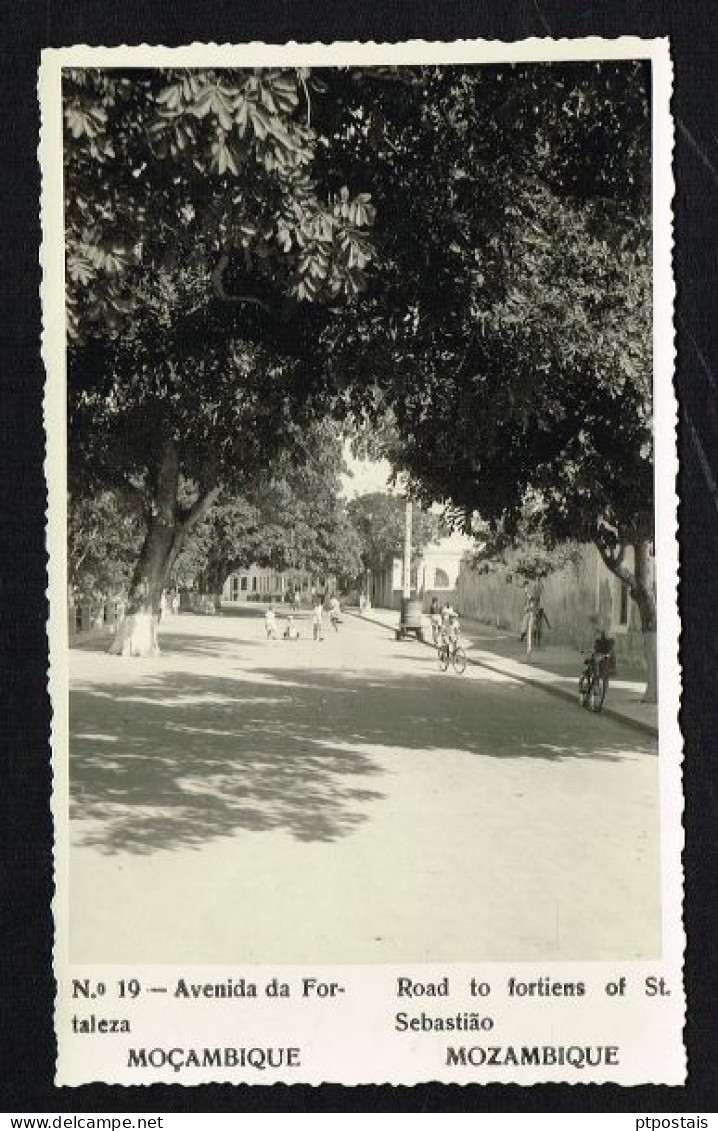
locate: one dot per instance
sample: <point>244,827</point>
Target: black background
<point>27,1043</point>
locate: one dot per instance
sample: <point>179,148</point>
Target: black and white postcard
<point>361,467</point>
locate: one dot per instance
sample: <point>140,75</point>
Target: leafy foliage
<point>378,519</point>
<point>508,335</point>
<point>171,165</point>
<point>199,253</point>
<point>292,519</point>
<point>524,555</point>
<point>498,317</point>
<point>104,538</point>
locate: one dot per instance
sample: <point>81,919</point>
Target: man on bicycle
<point>451,629</point>
<point>435,618</point>
<point>598,666</point>
<point>604,656</point>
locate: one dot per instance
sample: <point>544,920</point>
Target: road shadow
<point>179,758</point>
<point>183,643</point>
<point>225,647</point>
<point>184,759</point>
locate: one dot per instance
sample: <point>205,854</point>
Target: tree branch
<point>199,509</point>
<point>75,565</point>
<point>225,296</point>
<point>309,101</point>
<point>614,562</point>
<point>139,494</point>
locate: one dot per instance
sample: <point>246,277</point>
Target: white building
<point>259,584</point>
<point>438,568</point>
<point>435,574</point>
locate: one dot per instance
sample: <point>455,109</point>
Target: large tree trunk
<point>210,588</point>
<point>218,578</point>
<point>640,590</point>
<point>166,533</point>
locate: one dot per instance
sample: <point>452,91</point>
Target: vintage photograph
<point>360,560</point>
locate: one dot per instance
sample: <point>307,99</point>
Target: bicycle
<point>451,652</point>
<point>593,681</point>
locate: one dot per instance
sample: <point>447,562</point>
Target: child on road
<point>335,610</point>
<point>291,632</point>
<point>270,623</point>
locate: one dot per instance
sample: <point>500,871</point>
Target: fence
<point>86,619</point>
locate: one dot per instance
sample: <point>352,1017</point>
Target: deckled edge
<point>366,52</point>
<point>666,462</point>
<point>51,257</point>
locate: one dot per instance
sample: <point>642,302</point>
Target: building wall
<point>579,601</point>
<point>439,568</point>
<point>435,574</point>
<point>258,584</point>
<point>385,584</point>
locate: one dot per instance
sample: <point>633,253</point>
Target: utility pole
<point>410,620</point>
<point>407,549</point>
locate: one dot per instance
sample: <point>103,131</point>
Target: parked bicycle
<point>598,666</point>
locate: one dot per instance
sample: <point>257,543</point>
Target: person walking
<point>317,618</point>
<point>540,620</point>
<point>527,623</point>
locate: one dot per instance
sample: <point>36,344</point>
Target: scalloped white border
<point>669,1068</point>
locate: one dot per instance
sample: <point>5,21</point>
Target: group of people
<point>271,628</point>
<point>445,623</point>
<point>291,632</point>
<point>446,627</point>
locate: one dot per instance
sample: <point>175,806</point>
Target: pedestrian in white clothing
<point>317,619</point>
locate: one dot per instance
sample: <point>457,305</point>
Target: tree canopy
<point>291,519</point>
<point>200,251</point>
<point>378,519</point>
<point>104,539</point>
<point>462,252</point>
<point>507,332</point>
<point>212,168</point>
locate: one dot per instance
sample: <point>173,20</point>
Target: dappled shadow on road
<point>178,758</point>
<point>218,647</point>
<point>184,643</point>
<point>182,759</point>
